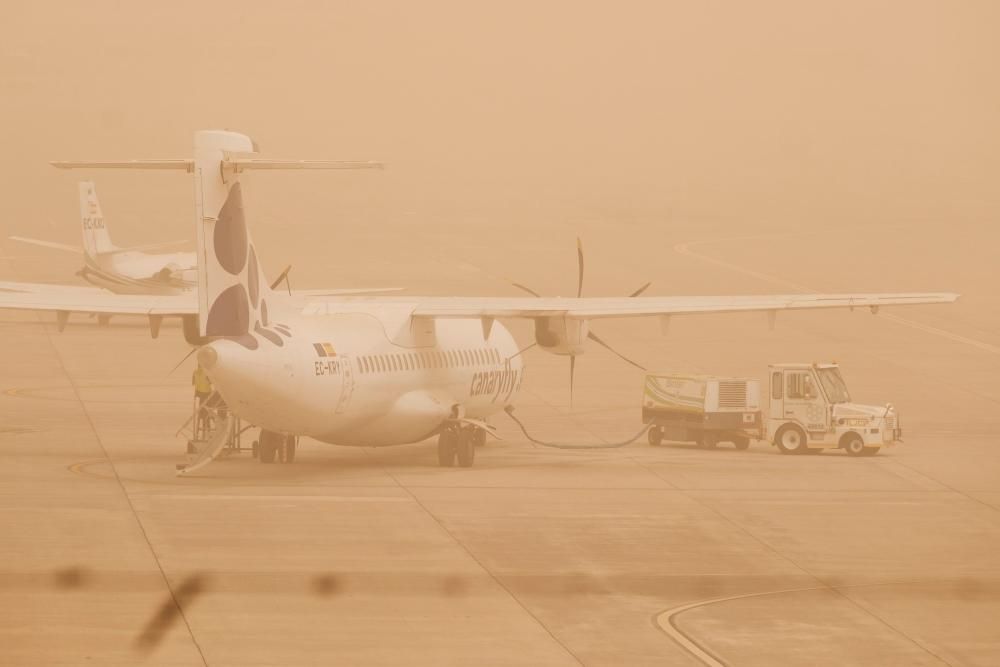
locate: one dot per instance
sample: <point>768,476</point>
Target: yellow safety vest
<point>201,383</point>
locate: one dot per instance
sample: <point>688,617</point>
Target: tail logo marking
<point>230,237</point>
<point>239,305</point>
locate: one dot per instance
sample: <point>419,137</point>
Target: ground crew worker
<point>202,390</point>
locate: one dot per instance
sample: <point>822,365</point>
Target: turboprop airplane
<point>369,371</point>
<point>124,270</point>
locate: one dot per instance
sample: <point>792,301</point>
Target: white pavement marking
<point>685,249</point>
<point>336,499</point>
<point>665,621</point>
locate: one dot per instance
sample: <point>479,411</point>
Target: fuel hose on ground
<point>567,445</point>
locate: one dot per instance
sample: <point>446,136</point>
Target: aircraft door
<point>777,404</point>
<point>803,401</point>
<point>347,376</point>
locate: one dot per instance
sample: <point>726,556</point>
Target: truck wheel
<point>742,443</point>
<point>655,436</point>
<point>853,444</point>
<point>790,439</point>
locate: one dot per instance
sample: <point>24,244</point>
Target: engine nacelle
<point>561,335</point>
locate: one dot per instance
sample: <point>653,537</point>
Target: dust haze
<point>708,147</point>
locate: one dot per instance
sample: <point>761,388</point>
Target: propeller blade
<point>572,372</point>
<point>579,262</point>
<point>526,289</point>
<point>640,290</point>
<point>594,337</point>
<point>521,351</point>
<point>186,357</point>
<point>283,276</point>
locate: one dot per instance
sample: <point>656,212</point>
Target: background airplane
<point>368,371</point>
<point>131,270</point>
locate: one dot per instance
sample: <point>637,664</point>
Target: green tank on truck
<point>702,409</point>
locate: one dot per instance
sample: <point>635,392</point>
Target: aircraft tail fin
<point>234,298</point>
<point>96,239</point>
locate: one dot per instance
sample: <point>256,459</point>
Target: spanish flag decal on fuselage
<point>325,349</point>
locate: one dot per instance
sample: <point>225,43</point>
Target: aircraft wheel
<point>853,445</point>
<point>655,436</point>
<point>465,448</point>
<point>742,443</point>
<point>479,437</point>
<point>447,448</point>
<point>290,443</point>
<point>790,440</point>
<point>267,449</point>
<point>191,449</point>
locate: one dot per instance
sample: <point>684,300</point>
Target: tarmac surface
<point>639,555</point>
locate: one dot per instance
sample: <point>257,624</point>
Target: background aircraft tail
<point>96,239</point>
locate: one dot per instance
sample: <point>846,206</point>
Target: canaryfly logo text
<point>498,383</point>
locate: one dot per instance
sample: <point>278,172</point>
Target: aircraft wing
<point>78,298</point>
<point>49,244</point>
<point>608,307</point>
<point>6,286</point>
<point>72,299</point>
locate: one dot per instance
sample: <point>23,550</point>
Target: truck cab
<point>811,410</point>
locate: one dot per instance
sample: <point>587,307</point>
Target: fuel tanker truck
<point>809,409</point>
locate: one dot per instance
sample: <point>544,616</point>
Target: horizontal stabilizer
<point>48,244</point>
<point>349,291</point>
<point>237,164</point>
<point>240,164</point>
<point>181,165</point>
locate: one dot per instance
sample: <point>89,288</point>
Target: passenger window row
<point>412,361</point>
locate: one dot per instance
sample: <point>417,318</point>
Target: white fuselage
<point>365,379</point>
<point>136,272</point>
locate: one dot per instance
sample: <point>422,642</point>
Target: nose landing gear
<point>458,443</point>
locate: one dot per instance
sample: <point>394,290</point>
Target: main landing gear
<point>275,447</point>
<point>458,443</point>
